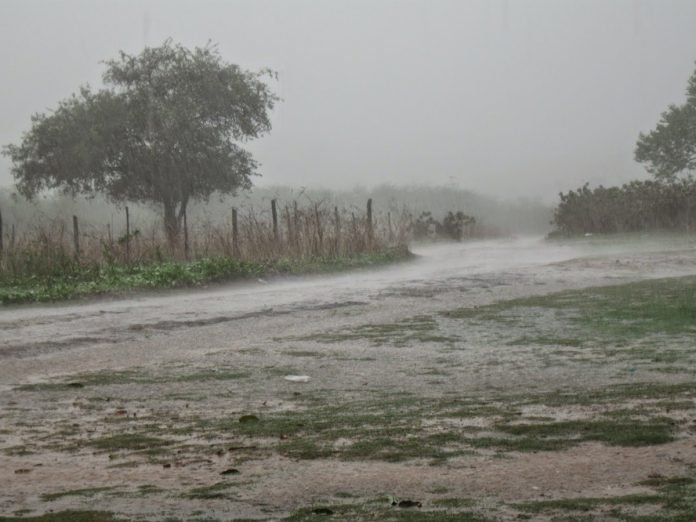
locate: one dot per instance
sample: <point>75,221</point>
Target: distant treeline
<point>633,207</point>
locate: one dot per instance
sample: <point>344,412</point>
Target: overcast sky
<point>509,97</point>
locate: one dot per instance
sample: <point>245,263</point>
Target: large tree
<point>166,128</point>
<point>670,149</point>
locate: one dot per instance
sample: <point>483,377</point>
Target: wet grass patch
<point>669,483</point>
<point>86,492</point>
<point>670,405</point>
<point>217,490</point>
<point>546,341</point>
<point>402,429</point>
<point>561,435</point>
<point>383,510</point>
<point>610,313</point>
<point>137,376</point>
<point>20,450</point>
<point>454,502</point>
<point>408,427</point>
<point>128,442</point>
<point>418,329</point>
<point>149,489</point>
<point>616,394</point>
<point>674,499</point>
<point>304,353</point>
<point>385,428</point>
<point>586,504</point>
<point>68,516</point>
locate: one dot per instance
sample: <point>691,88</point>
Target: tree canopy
<point>166,128</point>
<point>670,149</point>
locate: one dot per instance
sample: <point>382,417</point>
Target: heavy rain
<point>390,260</point>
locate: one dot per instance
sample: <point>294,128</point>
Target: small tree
<point>165,130</point>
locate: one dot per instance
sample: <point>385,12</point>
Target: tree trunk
<point>171,223</point>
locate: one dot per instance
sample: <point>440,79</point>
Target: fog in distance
<point>508,98</point>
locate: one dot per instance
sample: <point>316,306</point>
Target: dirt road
<point>37,342</point>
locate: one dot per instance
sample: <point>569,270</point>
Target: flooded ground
<point>410,382</point>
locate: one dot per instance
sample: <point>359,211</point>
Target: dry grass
<point>48,248</point>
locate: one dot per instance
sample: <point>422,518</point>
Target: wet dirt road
<point>38,342</point>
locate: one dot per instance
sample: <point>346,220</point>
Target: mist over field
<point>502,217</point>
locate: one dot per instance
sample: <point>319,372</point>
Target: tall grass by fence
<point>283,230</point>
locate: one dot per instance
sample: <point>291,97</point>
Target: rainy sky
<point>505,97</point>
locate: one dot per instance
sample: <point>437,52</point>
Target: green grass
<point>77,280</point>
<point>611,313</point>
<point>558,435</point>
<point>628,321</point>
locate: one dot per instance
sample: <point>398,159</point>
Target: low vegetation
<point>617,313</point>
<point>79,280</point>
<point>638,206</point>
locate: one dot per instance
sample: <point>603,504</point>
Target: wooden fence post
<point>320,231</point>
<point>235,234</point>
<point>76,237</point>
<point>370,231</point>
<point>295,223</point>
<point>274,214</point>
<point>289,225</point>
<point>2,230</point>
<point>391,234</point>
<point>337,225</point>
<point>127,235</point>
<point>12,237</point>
<point>186,238</point>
